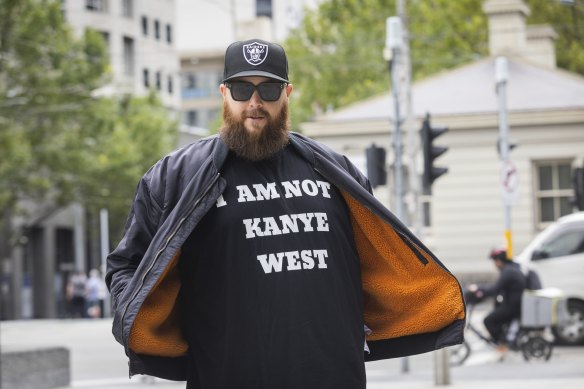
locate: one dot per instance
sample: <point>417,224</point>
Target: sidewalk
<point>98,362</point>
<point>567,383</point>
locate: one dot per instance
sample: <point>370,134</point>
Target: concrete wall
<point>41,368</point>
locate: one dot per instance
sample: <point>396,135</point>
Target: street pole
<point>393,43</point>
<point>104,235</point>
<point>79,237</point>
<point>501,78</point>
<point>413,140</point>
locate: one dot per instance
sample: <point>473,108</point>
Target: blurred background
<point>467,116</point>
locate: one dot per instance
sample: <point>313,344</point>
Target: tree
<point>567,19</point>
<point>46,80</point>
<point>131,134</point>
<point>336,54</point>
<point>59,143</point>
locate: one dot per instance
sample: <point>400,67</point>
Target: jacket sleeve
<point>140,228</point>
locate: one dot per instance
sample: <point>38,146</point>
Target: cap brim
<point>250,73</point>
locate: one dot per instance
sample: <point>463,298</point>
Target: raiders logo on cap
<point>255,53</point>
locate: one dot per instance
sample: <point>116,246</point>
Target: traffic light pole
<point>501,77</point>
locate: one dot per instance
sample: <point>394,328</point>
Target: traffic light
<point>579,188</point>
<point>431,152</point>
<point>376,165</point>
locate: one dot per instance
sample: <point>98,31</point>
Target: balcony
<point>199,93</point>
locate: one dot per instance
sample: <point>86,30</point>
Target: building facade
<point>140,36</point>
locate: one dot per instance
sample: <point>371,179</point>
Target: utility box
<point>543,308</point>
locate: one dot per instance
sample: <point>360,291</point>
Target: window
<point>201,85</point>
<point>553,190</point>
<point>168,33</point>
<point>128,56</point>
<point>65,250</point>
<point>127,8</point>
<point>144,26</point>
<point>169,85</point>
<point>157,30</point>
<point>567,243</point>
<point>191,118</point>
<point>96,5</point>
<point>191,81</point>
<point>146,78</point>
<point>200,118</point>
<point>158,81</point>
<point>264,8</point>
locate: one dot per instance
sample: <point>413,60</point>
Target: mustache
<point>255,113</point>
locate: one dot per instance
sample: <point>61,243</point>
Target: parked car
<point>557,254</point>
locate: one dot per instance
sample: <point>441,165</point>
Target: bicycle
<point>530,341</point>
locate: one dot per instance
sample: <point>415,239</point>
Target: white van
<point>557,254</point>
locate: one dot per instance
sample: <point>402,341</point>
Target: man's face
<point>255,128</point>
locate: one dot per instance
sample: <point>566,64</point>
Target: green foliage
<point>445,34</point>
<point>568,22</point>
<point>59,143</point>
<point>129,135</point>
<point>46,79</point>
<point>336,54</point>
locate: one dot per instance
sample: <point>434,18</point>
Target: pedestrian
<point>258,258</point>
<point>95,291</point>
<point>76,294</point>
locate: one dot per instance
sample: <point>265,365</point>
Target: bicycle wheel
<point>458,354</point>
<point>536,349</point>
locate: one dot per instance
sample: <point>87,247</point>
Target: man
<point>256,258</point>
<point>507,291</point>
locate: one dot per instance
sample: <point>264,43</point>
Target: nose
<point>255,99</point>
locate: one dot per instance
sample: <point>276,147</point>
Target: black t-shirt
<point>271,283</point>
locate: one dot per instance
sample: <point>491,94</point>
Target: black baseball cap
<point>255,57</point>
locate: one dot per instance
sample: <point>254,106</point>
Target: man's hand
<point>475,290</point>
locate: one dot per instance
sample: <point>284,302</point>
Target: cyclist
<point>507,291</point>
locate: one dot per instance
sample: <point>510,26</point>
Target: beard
<point>260,143</point>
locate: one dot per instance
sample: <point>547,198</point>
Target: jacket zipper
<point>161,250</point>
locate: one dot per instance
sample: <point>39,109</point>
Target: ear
<point>222,90</point>
<point>288,89</point>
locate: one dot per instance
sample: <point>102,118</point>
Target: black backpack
<point>532,280</point>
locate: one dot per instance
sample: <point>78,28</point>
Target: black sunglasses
<point>243,90</point>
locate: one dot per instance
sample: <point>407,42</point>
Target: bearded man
<point>258,258</point>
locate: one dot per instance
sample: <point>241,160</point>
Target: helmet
<point>499,253</point>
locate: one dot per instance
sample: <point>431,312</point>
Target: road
<point>98,362</point>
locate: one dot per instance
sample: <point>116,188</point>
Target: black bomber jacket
<point>411,302</point>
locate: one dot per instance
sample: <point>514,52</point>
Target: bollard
<point>441,367</point>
